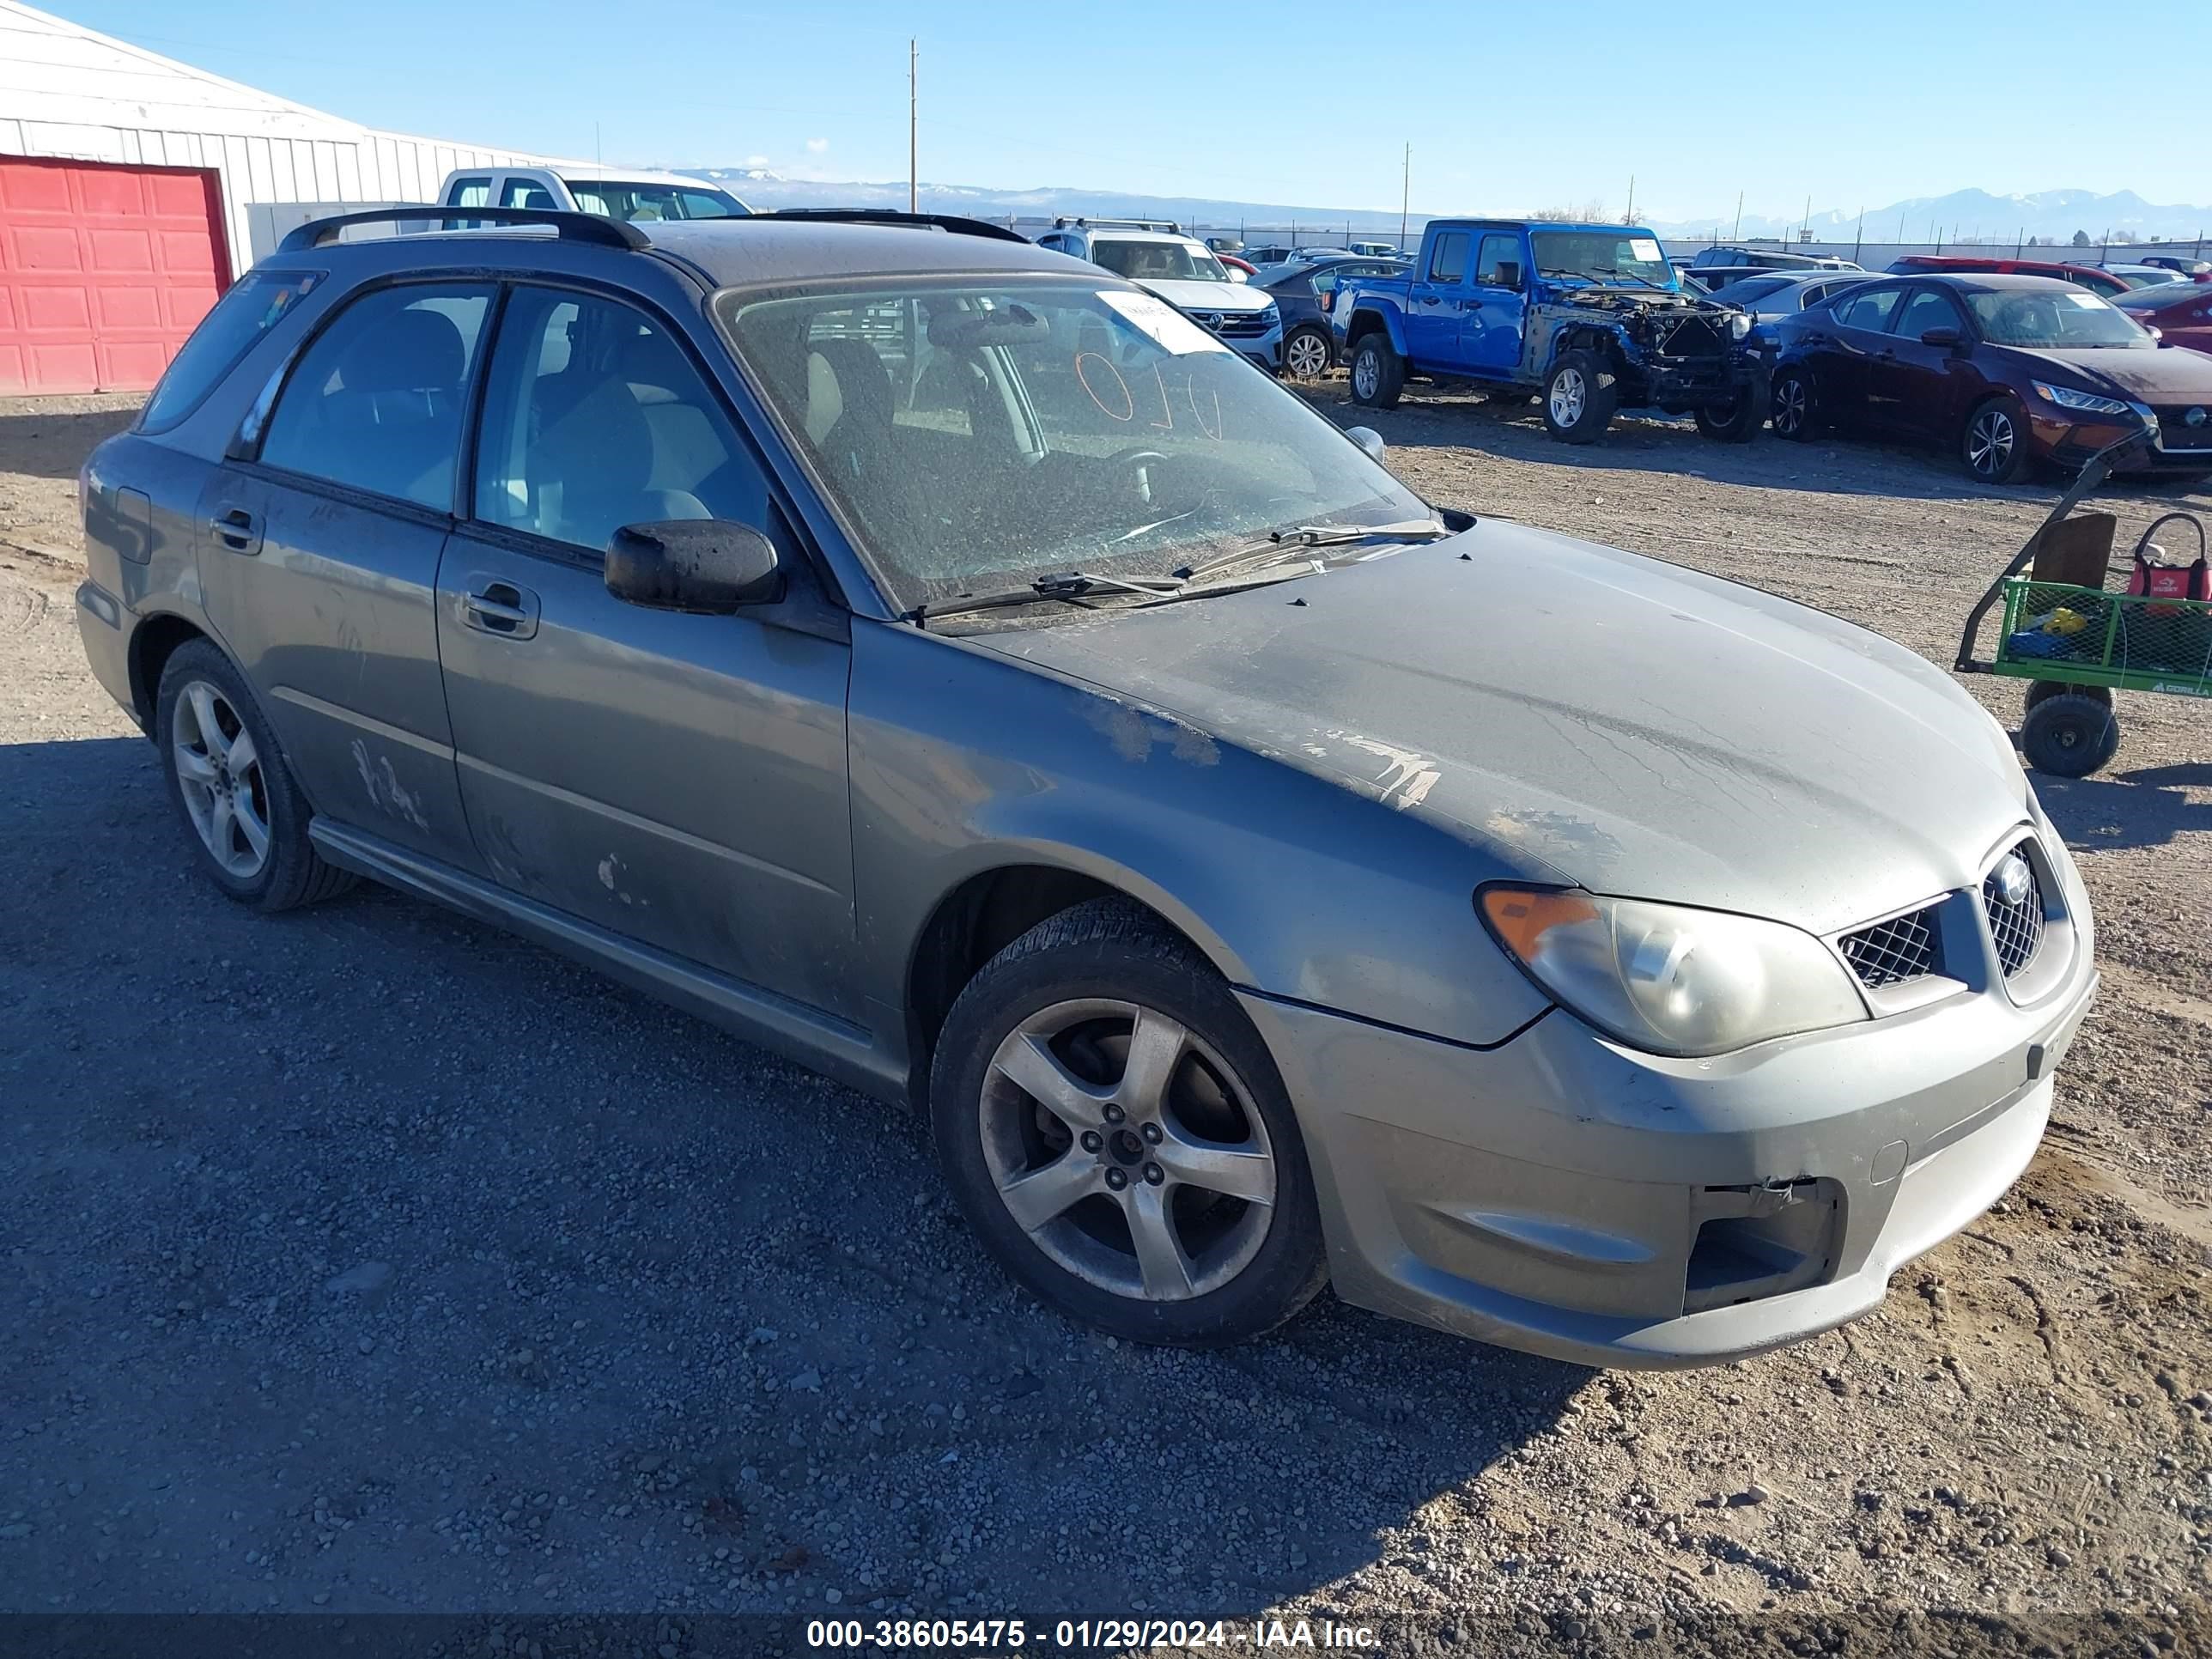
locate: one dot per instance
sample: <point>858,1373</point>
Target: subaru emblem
<point>2015,881</point>
<point>2195,417</point>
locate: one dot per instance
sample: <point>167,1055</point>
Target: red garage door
<point>104,269</point>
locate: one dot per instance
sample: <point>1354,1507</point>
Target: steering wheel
<point>1134,460</point>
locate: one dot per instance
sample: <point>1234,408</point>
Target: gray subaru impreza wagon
<point>956,670</point>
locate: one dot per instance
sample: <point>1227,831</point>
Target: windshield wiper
<point>1070,587</point>
<point>1306,535</point>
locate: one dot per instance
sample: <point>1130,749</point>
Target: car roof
<point>1987,282</point>
<point>732,251</point>
<point>1122,233</point>
<point>590,173</point>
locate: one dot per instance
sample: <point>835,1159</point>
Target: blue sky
<point>1855,102</point>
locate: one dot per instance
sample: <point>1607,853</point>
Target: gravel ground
<point>367,1259</point>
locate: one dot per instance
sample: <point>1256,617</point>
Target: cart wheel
<point>2069,735</point>
<point>2043,691</point>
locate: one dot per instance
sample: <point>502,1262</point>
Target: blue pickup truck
<point>1589,319</point>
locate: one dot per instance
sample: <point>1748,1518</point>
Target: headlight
<point>2087,402</point>
<point>1740,324</point>
<point>1271,315</point>
<point>1670,979</point>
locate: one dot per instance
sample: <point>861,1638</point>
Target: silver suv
<point>1183,270</point>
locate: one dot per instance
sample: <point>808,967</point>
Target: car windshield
<point>975,436</point>
<point>1156,262</point>
<point>646,203</point>
<point>1602,256</point>
<point>2052,318</point>
<point>2159,296</point>
<point>1745,290</point>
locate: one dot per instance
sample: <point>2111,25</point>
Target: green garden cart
<point>2076,641</point>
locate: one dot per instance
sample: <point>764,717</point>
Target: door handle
<point>237,530</point>
<point>500,608</point>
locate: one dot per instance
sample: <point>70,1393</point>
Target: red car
<point>2182,312</point>
<point>2088,276</point>
<point>1235,264</point>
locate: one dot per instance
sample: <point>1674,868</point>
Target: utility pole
<point>1737,234</point>
<point>1805,225</point>
<point>1631,215</point>
<point>1858,236</point>
<point>912,127</point>
<point>1405,195</point>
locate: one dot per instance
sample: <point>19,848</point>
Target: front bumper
<point>2068,439</point>
<point>1564,1195</point>
<point>1265,351</point>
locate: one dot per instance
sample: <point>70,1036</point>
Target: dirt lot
<point>367,1259</point>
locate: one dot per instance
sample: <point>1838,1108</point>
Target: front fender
<point>964,761</point>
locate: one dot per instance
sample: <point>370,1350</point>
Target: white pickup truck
<point>624,193</point>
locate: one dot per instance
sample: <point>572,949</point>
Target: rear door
<point>677,780</point>
<point>1844,349</point>
<point>1490,333</point>
<point>1435,300</point>
<point>1913,387</point>
<point>320,557</point>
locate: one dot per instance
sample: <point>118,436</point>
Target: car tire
<point>1378,372</point>
<point>1307,353</point>
<point>1789,405</point>
<point>228,777</point>
<point>2068,735</point>
<point>1742,422</point>
<point>1579,398</point>
<point>1994,445</point>
<point>1059,1009</point>
<point>2043,691</point>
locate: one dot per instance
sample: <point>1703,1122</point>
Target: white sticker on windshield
<point>1167,327</point>
<point>1643,247</point>
<point>2092,301</point>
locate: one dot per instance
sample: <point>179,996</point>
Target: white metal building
<point>133,188</point>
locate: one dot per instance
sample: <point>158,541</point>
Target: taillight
<point>1328,301</point>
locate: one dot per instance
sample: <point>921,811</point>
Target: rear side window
<point>376,402</point>
<point>469,193</point>
<point>254,305</point>
<point>1868,311</point>
<point>525,193</point>
<point>1448,262</point>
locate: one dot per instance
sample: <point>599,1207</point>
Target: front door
<point>1914,387</point>
<point>1436,300</point>
<point>1491,337</point>
<point>320,560</point>
<point>677,780</point>
<point>1842,367</point>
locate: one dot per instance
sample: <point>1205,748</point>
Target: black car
<point>1303,295</point>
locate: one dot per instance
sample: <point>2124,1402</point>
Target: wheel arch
<point>153,642</point>
<point>980,916</point>
<point>1374,320</point>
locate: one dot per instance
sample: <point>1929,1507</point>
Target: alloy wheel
<point>1789,413</point>
<point>1307,355</point>
<point>219,772</point>
<point>1989,443</point>
<point>1568,396</point>
<point>1126,1150</point>
<point>1366,374</point>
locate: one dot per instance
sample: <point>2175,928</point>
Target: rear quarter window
<point>256,302</point>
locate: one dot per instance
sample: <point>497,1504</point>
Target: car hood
<point>1211,297</point>
<point>1585,714</point>
<point>2149,376</point>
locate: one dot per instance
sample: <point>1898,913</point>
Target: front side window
<point>1156,262</point>
<point>644,203</point>
<point>376,402</point>
<point>994,432</point>
<point>594,418</point>
<point>253,306</point>
<point>2053,319</point>
<point>1498,252</point>
<point>1448,259</point>
<point>525,193</point>
<point>1929,308</point>
<point>1868,311</point>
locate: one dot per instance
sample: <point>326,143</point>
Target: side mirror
<point>1509,275</point>
<point>2156,334</point>
<point>710,566</point>
<point>1368,440</point>
<point>1940,337</point>
<point>1235,275</point>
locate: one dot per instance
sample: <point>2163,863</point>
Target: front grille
<point>2016,929</point>
<point>1234,324</point>
<point>2176,433</point>
<point>1890,952</point>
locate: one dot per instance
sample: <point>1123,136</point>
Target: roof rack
<point>1086,223</point>
<point>572,227</point>
<point>958,224</point>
